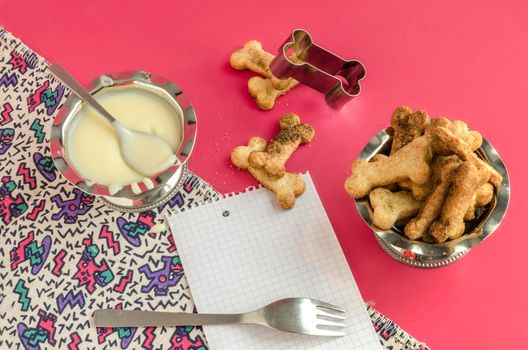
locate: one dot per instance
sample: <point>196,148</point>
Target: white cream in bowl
<point>92,144</point>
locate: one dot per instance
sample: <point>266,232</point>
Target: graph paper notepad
<point>243,252</point>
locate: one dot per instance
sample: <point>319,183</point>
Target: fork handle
<point>133,318</point>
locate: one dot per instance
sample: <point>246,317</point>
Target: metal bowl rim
<point>189,129</point>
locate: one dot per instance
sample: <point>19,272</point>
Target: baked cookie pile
<point>266,162</point>
<point>432,182</point>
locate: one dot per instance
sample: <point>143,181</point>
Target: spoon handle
<point>77,88</point>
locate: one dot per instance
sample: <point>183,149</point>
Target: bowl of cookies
<point>430,188</point>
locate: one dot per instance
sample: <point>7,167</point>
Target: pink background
<point>462,59</point>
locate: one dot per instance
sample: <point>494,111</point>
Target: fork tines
<point>330,319</point>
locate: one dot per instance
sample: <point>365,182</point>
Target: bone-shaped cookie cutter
<point>318,68</point>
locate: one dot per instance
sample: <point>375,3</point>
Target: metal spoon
<point>145,153</point>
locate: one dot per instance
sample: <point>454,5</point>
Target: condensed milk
<point>92,143</point>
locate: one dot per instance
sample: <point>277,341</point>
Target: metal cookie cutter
<point>318,68</point>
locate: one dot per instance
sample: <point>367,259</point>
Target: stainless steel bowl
<point>421,254</point>
<point>166,182</point>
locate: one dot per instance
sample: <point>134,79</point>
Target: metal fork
<point>297,315</point>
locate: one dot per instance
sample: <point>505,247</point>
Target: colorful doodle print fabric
<point>64,254</point>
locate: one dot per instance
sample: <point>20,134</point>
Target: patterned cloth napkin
<point>64,253</point>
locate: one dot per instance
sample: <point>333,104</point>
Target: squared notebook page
<point>260,253</point>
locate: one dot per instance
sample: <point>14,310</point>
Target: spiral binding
<point>225,196</point>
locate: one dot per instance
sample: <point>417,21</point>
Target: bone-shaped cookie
<point>379,156</point>
<point>444,142</point>
<point>443,169</point>
<point>410,162</point>
<point>292,133</point>
<point>286,188</point>
<point>265,95</point>
<point>254,58</point>
<point>495,177</point>
<point>469,176</point>
<point>389,207</point>
<point>407,126</point>
<point>460,129</point>
<point>481,198</point>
